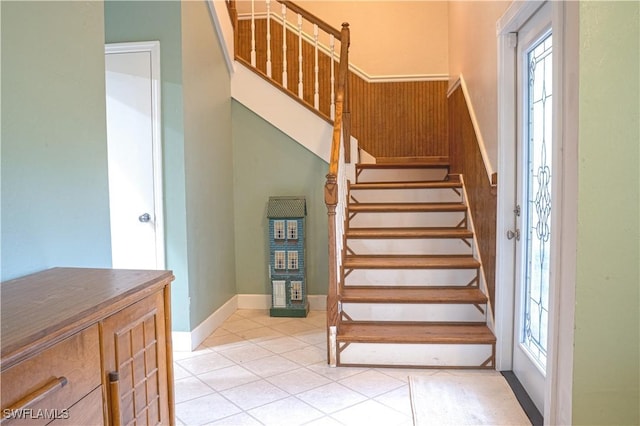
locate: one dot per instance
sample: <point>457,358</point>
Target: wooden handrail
<point>341,96</point>
<point>312,18</point>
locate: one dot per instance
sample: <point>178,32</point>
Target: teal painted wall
<point>607,324</point>
<point>55,200</point>
<point>127,21</point>
<point>208,164</point>
<point>267,162</point>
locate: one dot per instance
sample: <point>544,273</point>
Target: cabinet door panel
<point>134,344</point>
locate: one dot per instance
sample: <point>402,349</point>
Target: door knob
<point>146,217</point>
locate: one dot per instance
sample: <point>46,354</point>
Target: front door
<point>133,141</point>
<point>533,233</point>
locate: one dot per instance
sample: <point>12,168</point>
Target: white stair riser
<point>410,246</point>
<point>402,175</point>
<point>414,312</point>
<point>422,195</point>
<point>409,354</point>
<point>406,219</point>
<point>411,277</point>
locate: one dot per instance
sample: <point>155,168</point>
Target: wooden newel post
<point>331,200</point>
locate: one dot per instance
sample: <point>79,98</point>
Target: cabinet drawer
<point>87,412</point>
<point>53,380</point>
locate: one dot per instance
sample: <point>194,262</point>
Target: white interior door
<point>134,156</point>
<point>534,206</point>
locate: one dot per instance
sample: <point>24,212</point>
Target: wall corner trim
<point>492,175</point>
<point>187,341</point>
<point>222,25</point>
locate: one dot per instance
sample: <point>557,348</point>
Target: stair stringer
<point>476,250</point>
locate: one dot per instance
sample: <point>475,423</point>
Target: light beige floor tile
<point>190,388</point>
<point>237,315</point>
<point>334,373</point>
<point>314,337</point>
<point>252,313</point>
<point>271,321</point>
<point>270,366</point>
<point>307,355</point>
<point>242,419</point>
<point>226,341</point>
<point>283,344</point>
<point>262,334</point>
<point>204,363</point>
<point>293,327</point>
<point>399,399</point>
<point>179,372</point>
<point>298,381</point>
<point>289,411</point>
<point>200,350</point>
<point>246,353</point>
<point>241,324</point>
<point>229,377</point>
<point>371,383</point>
<point>254,394</point>
<point>331,397</point>
<point>205,409</point>
<point>325,421</point>
<point>370,413</point>
<point>404,373</point>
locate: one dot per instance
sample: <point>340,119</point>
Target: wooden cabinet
<point>87,346</point>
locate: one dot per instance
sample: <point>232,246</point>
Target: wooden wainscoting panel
<point>465,158</point>
<point>389,119</point>
<point>400,119</point>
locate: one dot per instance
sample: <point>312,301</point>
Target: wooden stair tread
<point>410,262</point>
<point>404,165</point>
<point>407,185</point>
<point>435,333</point>
<point>405,207</point>
<point>362,233</point>
<point>413,295</point>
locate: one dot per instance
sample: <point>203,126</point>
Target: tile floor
<point>258,370</point>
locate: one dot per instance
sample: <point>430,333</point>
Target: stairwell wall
<point>473,51</point>
<point>266,162</point>
<point>208,163</point>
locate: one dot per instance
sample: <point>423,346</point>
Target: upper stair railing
<point>275,63</point>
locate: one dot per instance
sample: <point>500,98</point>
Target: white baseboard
<point>186,341</point>
<point>317,302</point>
<point>189,340</point>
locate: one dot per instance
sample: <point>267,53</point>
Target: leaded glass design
<point>538,190</point>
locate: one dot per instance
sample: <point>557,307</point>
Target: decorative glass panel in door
<point>538,202</point>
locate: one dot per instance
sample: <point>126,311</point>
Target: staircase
<point>410,289</point>
<point>405,284</point>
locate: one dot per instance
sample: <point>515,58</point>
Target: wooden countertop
<point>41,309</point>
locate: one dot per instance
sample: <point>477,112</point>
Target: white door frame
<point>153,48</point>
<point>565,22</point>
